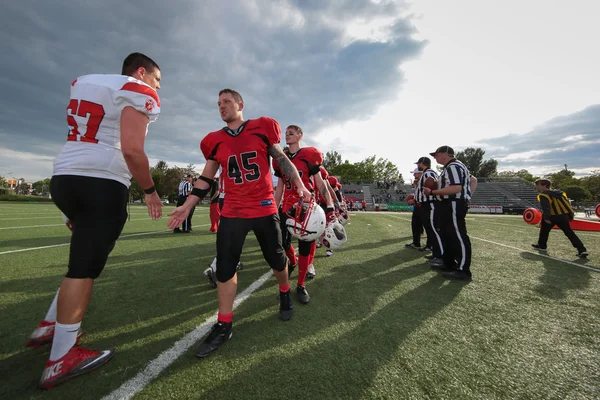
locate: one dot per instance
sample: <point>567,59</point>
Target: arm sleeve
<point>272,129</point>
<point>545,203</point>
<point>139,96</point>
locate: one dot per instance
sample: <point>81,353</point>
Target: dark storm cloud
<point>573,139</point>
<point>290,60</point>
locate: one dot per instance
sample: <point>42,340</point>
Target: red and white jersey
<point>93,145</point>
<point>307,161</point>
<point>246,177</point>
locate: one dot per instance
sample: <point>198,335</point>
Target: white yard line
<point>39,226</point>
<point>167,357</point>
<point>66,244</point>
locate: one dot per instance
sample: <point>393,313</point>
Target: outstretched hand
<point>178,215</point>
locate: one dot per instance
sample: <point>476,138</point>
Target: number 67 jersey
<point>244,157</point>
<point>93,145</point>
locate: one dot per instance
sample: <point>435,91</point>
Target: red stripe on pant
<point>215,214</point>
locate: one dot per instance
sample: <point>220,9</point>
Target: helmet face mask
<point>306,221</point>
<point>334,236</point>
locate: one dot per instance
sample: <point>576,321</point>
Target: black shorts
<point>286,236</point>
<point>230,241</point>
<point>97,208</point>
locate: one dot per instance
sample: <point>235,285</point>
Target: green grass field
<point>381,324</point>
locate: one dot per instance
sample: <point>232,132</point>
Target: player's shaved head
<point>136,60</point>
<point>236,96</point>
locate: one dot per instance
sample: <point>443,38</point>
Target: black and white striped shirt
<point>185,188</point>
<point>455,173</point>
<point>420,197</point>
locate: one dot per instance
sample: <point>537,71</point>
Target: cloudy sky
<point>394,79</point>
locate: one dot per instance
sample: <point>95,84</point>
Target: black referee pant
<point>562,221</point>
<point>187,223</point>
<point>453,229</point>
<point>428,219</point>
<point>416,225</point>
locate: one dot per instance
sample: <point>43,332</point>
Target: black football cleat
<point>219,333</point>
<point>537,247</point>
<point>458,275</point>
<point>582,253</point>
<point>286,307</point>
<point>302,294</point>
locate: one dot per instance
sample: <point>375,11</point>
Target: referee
<point>185,187</point>
<point>453,196</point>
<point>429,178</point>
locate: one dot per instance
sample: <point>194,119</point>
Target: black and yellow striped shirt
<point>555,202</point>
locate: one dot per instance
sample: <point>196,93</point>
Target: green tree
<point>592,184</point>
<point>472,158</point>
<point>331,160</point>
<point>523,173</point>
<point>41,187</point>
<point>488,169</point>
<point>577,193</point>
<point>347,171</point>
<point>563,179</point>
<point>135,191</point>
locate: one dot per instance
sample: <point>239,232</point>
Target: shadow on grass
<point>559,278</point>
<point>334,346</point>
<point>137,298</point>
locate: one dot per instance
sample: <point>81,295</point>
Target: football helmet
<point>334,236</point>
<point>343,218</point>
<point>306,221</point>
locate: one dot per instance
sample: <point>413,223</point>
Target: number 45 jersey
<point>93,145</point>
<point>244,157</point>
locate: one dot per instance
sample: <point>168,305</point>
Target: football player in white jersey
<point>108,117</point>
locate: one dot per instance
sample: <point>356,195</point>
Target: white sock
<point>51,314</point>
<point>65,337</point>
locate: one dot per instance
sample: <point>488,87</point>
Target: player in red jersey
<point>332,185</point>
<point>108,117</point>
<point>242,149</point>
<point>307,161</point>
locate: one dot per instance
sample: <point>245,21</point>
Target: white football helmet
<point>334,236</point>
<point>344,218</point>
<point>306,221</point>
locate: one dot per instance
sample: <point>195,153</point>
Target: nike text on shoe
<point>286,307</point>
<point>77,361</point>
<point>211,277</point>
<point>302,294</point>
<point>44,334</point>
<point>537,247</point>
<point>311,273</point>
<point>219,333</point>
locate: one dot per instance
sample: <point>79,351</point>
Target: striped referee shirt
<point>455,173</point>
<point>419,195</point>
<point>185,188</point>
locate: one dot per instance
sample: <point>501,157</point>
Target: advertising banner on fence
<point>486,209</point>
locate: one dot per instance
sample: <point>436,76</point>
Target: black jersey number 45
<point>251,171</point>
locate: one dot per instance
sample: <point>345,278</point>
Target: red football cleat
<point>77,361</point>
<point>44,334</point>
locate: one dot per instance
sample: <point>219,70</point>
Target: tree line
<point>372,169</point>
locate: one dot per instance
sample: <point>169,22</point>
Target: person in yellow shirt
<point>556,210</point>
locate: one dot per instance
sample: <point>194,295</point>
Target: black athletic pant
<point>453,229</point>
<point>428,219</point>
<point>417,226</point>
<point>562,221</point>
